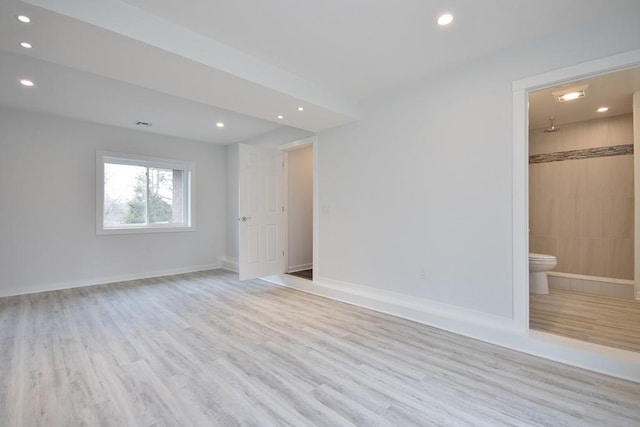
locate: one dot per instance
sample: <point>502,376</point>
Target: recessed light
<point>300,108</point>
<point>445,19</point>
<point>603,109</point>
<point>25,82</point>
<point>220,124</point>
<point>24,18</point>
<point>26,45</point>
<point>280,116</point>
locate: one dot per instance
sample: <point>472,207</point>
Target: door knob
<point>244,218</point>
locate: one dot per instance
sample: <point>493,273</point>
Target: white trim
<point>294,145</point>
<point>520,194</point>
<point>316,209</point>
<point>300,267</point>
<point>636,187</point>
<point>34,289</point>
<point>596,67</point>
<point>478,325</point>
<point>430,312</point>
<point>285,204</point>
<point>520,190</point>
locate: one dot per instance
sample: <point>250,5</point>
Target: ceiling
<point>185,65</point>
<point>613,90</point>
<point>71,93</point>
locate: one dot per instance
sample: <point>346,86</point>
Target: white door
<point>261,212</point>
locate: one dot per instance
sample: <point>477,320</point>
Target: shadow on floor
<point>305,274</point>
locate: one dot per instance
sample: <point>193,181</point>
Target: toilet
<point>539,264</point>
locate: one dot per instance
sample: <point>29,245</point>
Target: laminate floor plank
<point>204,349</point>
<point>613,322</point>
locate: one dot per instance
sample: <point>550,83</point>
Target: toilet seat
<point>541,257</point>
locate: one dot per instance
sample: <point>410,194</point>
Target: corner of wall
<point>228,263</point>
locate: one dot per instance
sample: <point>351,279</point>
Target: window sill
<point>144,230</point>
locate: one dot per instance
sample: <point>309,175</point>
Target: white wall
<point>424,179</point>
<point>47,185</point>
<point>300,208</point>
<point>278,137</point>
<point>233,187</point>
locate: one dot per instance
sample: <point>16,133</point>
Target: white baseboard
<point>434,313</point>
<point>300,267</point>
<point>478,325</point>
<point>46,287</point>
<point>229,263</point>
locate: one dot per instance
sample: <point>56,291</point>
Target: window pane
<point>165,191</point>
<point>178,202</point>
<point>125,195</point>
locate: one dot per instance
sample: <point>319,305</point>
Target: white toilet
<point>539,264</point>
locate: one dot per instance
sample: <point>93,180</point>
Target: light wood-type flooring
<point>613,322</point>
<point>204,349</point>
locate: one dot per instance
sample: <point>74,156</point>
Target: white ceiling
<point>71,93</point>
<point>183,64</point>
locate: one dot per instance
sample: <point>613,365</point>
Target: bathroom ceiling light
<point>300,108</point>
<point>24,19</point>
<point>571,96</point>
<point>26,45</point>
<point>280,116</point>
<point>571,93</point>
<point>602,109</point>
<point>28,83</point>
<point>445,19</point>
<point>220,124</point>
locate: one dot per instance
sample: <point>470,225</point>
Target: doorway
<point>521,153</point>
<point>299,189</point>
<point>581,208</point>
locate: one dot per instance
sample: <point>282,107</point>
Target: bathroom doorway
<point>299,173</point>
<point>582,205</point>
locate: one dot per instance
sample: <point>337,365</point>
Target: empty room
<point>398,213</point>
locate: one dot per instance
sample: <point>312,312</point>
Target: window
<point>141,194</point>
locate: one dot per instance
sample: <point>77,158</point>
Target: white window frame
<point>189,169</point>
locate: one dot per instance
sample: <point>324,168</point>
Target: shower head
<point>551,127</point>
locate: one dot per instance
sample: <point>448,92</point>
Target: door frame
<point>285,148</point>
<point>520,150</point>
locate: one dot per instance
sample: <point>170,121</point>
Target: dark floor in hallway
<point>305,274</point>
